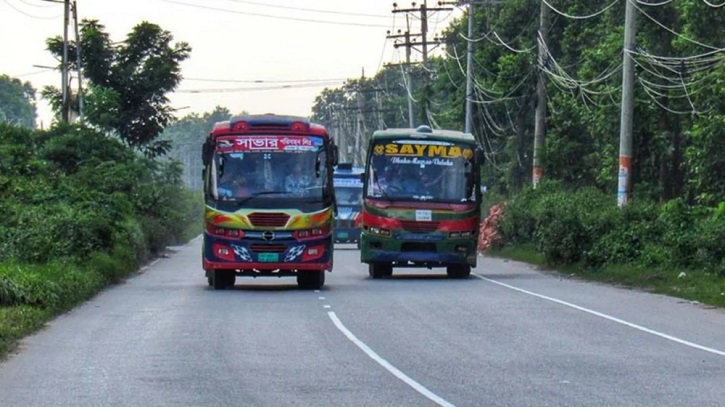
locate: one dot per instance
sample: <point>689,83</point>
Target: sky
<point>263,56</point>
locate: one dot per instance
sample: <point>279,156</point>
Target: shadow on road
<point>416,277</point>
<point>263,287</point>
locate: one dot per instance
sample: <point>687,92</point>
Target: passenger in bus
<point>430,185</point>
<point>387,182</point>
<point>298,183</point>
<point>234,186</point>
<point>413,185</point>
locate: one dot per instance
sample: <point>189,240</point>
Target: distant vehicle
<point>269,200</point>
<point>422,201</point>
<point>348,192</point>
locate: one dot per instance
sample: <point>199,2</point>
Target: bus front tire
<point>310,280</point>
<point>377,270</point>
<point>458,271</point>
<point>221,279</point>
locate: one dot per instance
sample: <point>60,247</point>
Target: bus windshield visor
<point>424,170</point>
<point>269,166</point>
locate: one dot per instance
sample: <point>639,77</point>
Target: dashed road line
<point>385,364</point>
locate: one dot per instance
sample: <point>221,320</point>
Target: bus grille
<point>268,248</point>
<point>274,219</point>
<point>418,247</point>
<point>345,223</point>
<point>415,226</point>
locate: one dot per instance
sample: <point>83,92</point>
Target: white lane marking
<point>321,298</point>
<point>384,363</point>
<point>609,317</point>
<point>326,306</point>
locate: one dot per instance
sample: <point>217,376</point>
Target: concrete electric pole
<point>625,130</point>
<point>406,72</point>
<point>540,123</point>
<point>423,42</point>
<point>65,101</point>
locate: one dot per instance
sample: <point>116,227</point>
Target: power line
<point>344,13</point>
<point>28,14</point>
<point>35,5</point>
<point>581,17</point>
<point>262,88</point>
<point>307,20</point>
<point>264,80</point>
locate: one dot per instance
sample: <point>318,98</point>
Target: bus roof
<point>264,124</point>
<point>423,132</point>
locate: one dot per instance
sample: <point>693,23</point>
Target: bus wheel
<point>458,271</point>
<point>310,280</point>
<point>380,270</point>
<point>221,279</point>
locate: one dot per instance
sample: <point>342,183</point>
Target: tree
<point>17,102</point>
<point>128,81</point>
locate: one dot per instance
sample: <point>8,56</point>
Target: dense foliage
<point>584,227</point>
<point>81,210</point>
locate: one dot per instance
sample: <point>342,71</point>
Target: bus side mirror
<point>480,157</point>
<point>206,152</point>
<point>335,154</point>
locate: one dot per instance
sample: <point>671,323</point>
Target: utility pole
<point>359,155</point>
<point>78,61</point>
<point>625,129</point>
<point>406,72</point>
<point>540,126</point>
<point>379,111</point>
<point>469,72</point>
<point>65,101</point>
<point>424,42</point>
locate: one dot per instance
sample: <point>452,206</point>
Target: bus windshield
<point>422,170</point>
<point>270,166</point>
<point>347,196</point>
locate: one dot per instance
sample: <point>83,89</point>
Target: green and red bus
<point>269,200</point>
<point>422,199</point>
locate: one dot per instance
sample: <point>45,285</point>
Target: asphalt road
<point>508,336</point>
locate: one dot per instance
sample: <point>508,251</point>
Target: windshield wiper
<point>256,194</point>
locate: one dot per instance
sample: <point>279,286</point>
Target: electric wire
<point>307,20</point>
<point>581,17</point>
<point>25,13</point>
<point>255,3</point>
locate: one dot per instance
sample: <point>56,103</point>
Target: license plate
<point>342,235</point>
<point>268,257</point>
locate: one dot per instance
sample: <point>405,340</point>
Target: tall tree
<point>129,81</point>
<point>17,102</point>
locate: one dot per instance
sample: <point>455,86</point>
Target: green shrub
<point>11,293</point>
<point>568,223</point>
<point>518,223</point>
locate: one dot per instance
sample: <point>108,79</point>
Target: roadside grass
<point>31,295</point>
<point>17,322</point>
<point>691,285</point>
